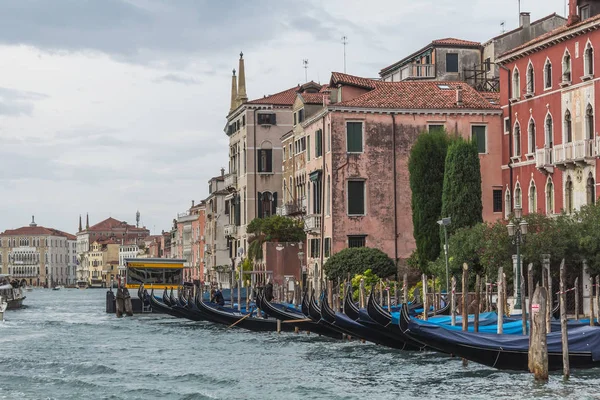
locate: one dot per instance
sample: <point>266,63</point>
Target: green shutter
<point>274,206</point>
<point>319,143</point>
<point>356,197</point>
<point>308,148</point>
<point>354,137</point>
<point>269,161</point>
<point>478,135</point>
<point>259,204</point>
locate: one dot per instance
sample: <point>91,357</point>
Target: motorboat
<point>12,292</point>
<point>3,307</point>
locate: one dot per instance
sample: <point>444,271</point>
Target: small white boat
<point>3,307</point>
<point>29,288</point>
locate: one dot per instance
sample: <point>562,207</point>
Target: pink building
<point>189,241</point>
<point>358,182</point>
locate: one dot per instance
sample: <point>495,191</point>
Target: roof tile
<point>285,98</point>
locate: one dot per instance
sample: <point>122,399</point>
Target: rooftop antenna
<point>519,10</point>
<point>305,63</point>
<point>502,25</point>
<point>344,42</point>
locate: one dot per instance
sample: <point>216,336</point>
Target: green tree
<point>461,195</point>
<point>370,279</point>
<point>356,260</point>
<point>589,236</point>
<point>273,228</point>
<point>426,165</point>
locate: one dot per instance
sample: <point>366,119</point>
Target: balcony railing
<point>543,157</point>
<point>312,222</point>
<point>417,71</point>
<point>292,208</point>
<point>574,152</point>
<point>596,150</point>
<point>231,180</point>
<point>230,230</point>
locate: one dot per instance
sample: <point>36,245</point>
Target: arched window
<point>518,195</point>
<point>548,74</point>
<point>517,140</point>
<point>267,204</point>
<point>589,123</point>
<point>507,203</point>
<point>549,197</point>
<point>568,135</point>
<point>566,67</point>
<point>569,196</point>
<point>285,195</point>
<point>591,190</point>
<point>531,132</point>
<point>588,57</point>
<point>532,197</point>
<point>530,80</point>
<point>516,84</point>
<point>549,134</point>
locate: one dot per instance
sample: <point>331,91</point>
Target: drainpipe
<point>255,169</point>
<point>395,194</point>
<point>510,136</point>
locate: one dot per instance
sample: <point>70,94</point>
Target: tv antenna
<point>502,25</point>
<point>305,63</point>
<point>344,42</point>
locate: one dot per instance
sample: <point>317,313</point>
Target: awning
<point>316,175</point>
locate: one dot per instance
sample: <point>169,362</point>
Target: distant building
<point>127,251</point>
<point>103,262</point>
<point>217,231</point>
<point>38,255</point>
<point>189,243</point>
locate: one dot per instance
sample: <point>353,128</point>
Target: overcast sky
<point>110,106</point>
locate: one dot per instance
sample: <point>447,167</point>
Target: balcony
<point>575,153</point>
<point>231,180</point>
<point>596,150</point>
<point>292,208</point>
<point>230,230</point>
<point>312,223</point>
<point>543,159</point>
<point>417,71</point>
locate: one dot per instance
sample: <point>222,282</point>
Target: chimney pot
<point>459,96</point>
<point>192,203</point>
<point>222,171</point>
<point>573,16</point>
<point>525,19</point>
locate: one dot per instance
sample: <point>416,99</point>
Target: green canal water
<point>63,346</point>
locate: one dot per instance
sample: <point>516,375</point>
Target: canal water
<point>63,346</point>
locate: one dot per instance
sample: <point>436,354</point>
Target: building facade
<point>36,254</point>
<point>217,232</point>
<point>550,142</point>
<point>358,191</point>
<point>190,241</point>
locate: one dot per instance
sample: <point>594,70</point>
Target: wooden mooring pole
<point>361,293</point>
<point>577,299</point>
<point>500,302</point>
<point>563,322</point>
<point>477,301</point>
<point>529,296</point>
<point>453,301</point>
<point>597,298</point>
<point>486,300</point>
<point>591,300</point>
<point>405,289</point>
<point>538,348</point>
<point>425,302</point>
<point>465,294</point>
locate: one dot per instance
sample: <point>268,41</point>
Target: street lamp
<point>301,258</point>
<point>445,222</point>
<point>517,231</point>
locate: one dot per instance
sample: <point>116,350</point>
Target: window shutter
<point>237,210</point>
<point>269,161</point>
<point>356,197</point>
<point>354,137</point>
<point>258,161</point>
<point>259,200</point>
<point>273,119</point>
<point>308,148</point>
<point>274,207</point>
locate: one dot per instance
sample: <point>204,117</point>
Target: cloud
<point>178,78</point>
<point>15,102</point>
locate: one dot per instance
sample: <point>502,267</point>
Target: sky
<point>112,106</point>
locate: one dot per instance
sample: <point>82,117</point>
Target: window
<point>328,138</point>
<point>549,135</point>
<point>584,12</point>
<point>516,82</point>
<point>566,68</point>
<point>478,135</point>
<point>517,140</point>
<point>265,160</point>
<point>290,153</point>
<point>589,123</point>
<point>569,196</point>
<point>318,143</point>
<point>497,196</point>
<point>435,127</point>
<point>356,197</point>
<point>532,197</point>
<point>357,240</point>
<point>315,248</point>
<point>327,247</point>
<point>590,189</point>
<point>506,125</point>
<point>451,62</point>
<point>549,197</point>
<point>588,57</point>
<point>301,115</point>
<point>354,139</point>
<point>284,147</point>
<point>531,133</point>
<point>548,75</point>
<point>266,119</point>
<point>308,148</point>
<point>300,145</point>
<point>507,203</point>
<point>328,196</point>
<point>518,195</point>
<point>530,79</point>
<point>488,64</point>
<point>568,127</point>
<point>295,118</point>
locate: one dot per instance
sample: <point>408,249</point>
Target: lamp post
<point>517,229</point>
<point>301,258</point>
<point>445,222</point>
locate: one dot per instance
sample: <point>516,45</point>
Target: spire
<point>80,228</point>
<point>87,220</point>
<point>32,221</point>
<point>242,97</point>
<point>137,219</point>
<point>234,94</point>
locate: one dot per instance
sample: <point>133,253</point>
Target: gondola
<point>383,318</point>
<point>162,307</point>
<point>356,329</point>
<point>509,352</point>
<point>229,317</point>
<point>285,314</point>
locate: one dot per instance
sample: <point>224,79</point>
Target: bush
<point>357,260</point>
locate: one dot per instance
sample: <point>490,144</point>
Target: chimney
<point>87,221</point>
<point>80,228</point>
<point>525,19</point>
<point>459,95</point>
<point>242,97</point>
<point>192,203</point>
<point>222,171</point>
<point>573,16</point>
<point>233,92</point>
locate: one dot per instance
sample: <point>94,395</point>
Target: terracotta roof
<point>312,98</point>
<point>412,95</point>
<point>520,28</point>
<point>492,97</point>
<point>340,78</point>
<point>112,223</point>
<point>455,42</point>
<point>324,88</point>
<point>285,98</point>
<point>556,32</point>
<point>36,230</point>
<point>217,178</point>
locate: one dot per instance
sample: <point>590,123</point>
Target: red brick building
<point>548,95</point>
